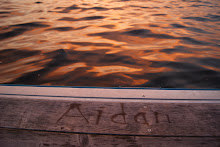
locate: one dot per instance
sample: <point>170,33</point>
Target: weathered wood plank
<point>111,93</point>
<point>108,114</point>
<point>28,138</point>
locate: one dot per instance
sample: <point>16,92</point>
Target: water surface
<point>127,43</point>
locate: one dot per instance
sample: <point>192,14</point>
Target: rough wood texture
<point>27,138</point>
<point>109,112</point>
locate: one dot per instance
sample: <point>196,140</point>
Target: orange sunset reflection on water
<point>126,43</point>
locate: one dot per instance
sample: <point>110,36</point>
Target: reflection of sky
<point>109,39</point>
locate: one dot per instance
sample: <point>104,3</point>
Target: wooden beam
<point>140,112</point>
<point>30,138</point>
<point>123,93</point>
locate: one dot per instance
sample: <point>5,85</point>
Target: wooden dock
<point>44,116</point>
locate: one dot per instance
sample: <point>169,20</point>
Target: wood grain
<point>28,138</point>
<point>82,117</point>
<point>110,116</point>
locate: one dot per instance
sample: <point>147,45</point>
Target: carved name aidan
<point>120,117</point>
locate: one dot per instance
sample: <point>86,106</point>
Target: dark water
<point>138,43</point>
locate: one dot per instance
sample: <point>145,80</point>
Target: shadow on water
<point>19,29</point>
<point>58,59</point>
<point>75,7</point>
<point>145,33</point>
<point>13,55</point>
<point>183,74</point>
<point>81,19</point>
<point>210,17</point>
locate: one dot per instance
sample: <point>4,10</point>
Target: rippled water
<point>138,43</point>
